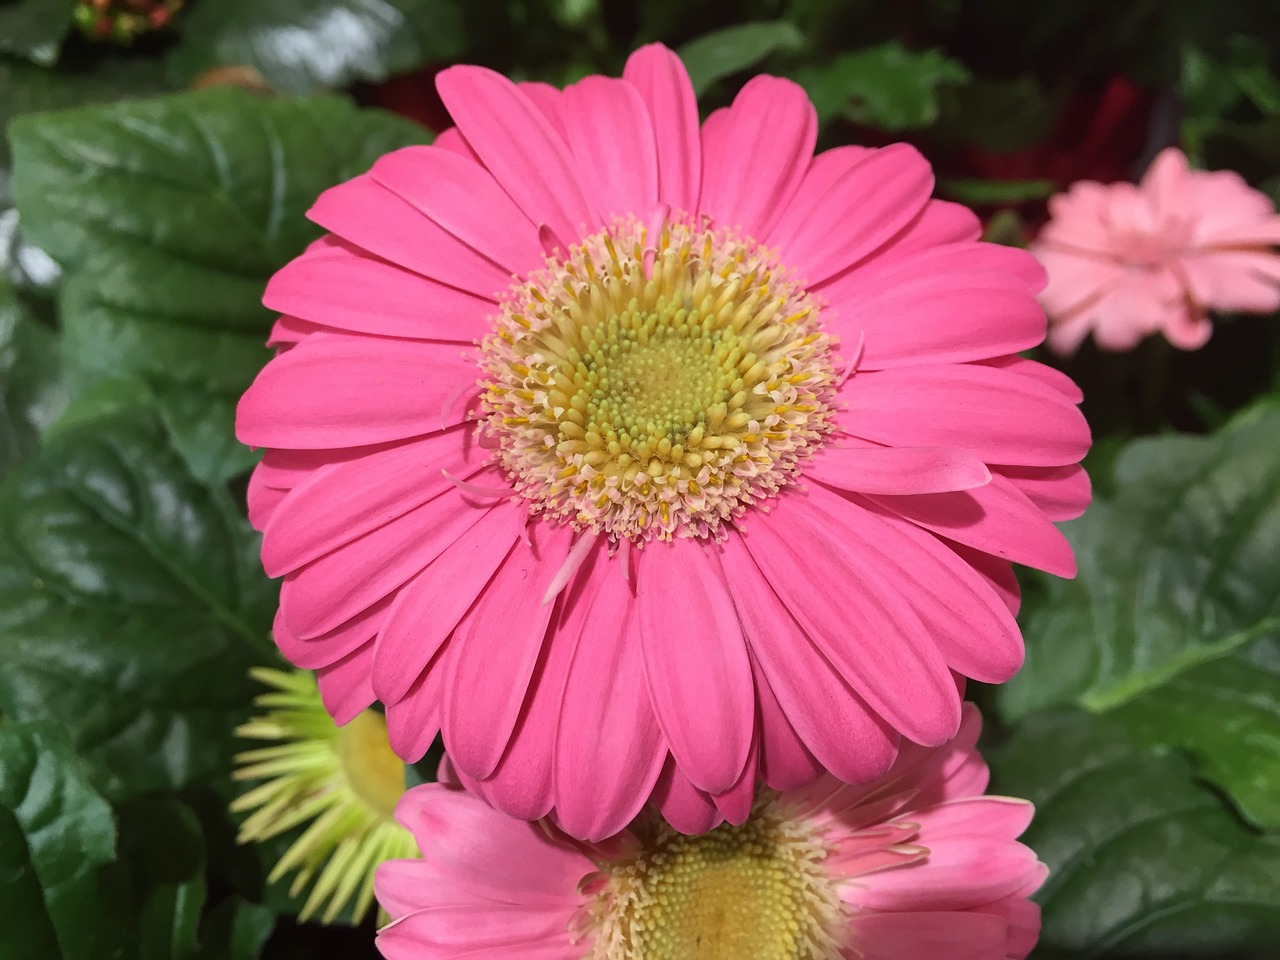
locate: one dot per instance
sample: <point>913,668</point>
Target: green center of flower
<point>757,890</point>
<point>657,385</point>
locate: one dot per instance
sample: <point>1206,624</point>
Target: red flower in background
<point>1099,135</point>
<point>411,95</point>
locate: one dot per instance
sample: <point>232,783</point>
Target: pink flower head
<point>643,459</point>
<point>916,864</point>
<point>1127,260</point>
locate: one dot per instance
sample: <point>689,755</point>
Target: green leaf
<point>202,425</point>
<point>160,874</point>
<point>887,86</point>
<point>131,604</point>
<point>976,192</point>
<point>1178,591</point>
<point>55,834</point>
<point>235,930</point>
<point>726,52</point>
<point>1144,861</point>
<point>169,216</point>
<point>34,28</point>
<point>302,45</point>
<point>1226,713</point>
<point>25,88</point>
<point>32,390</point>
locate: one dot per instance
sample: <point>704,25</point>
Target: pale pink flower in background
<point>648,460</point>
<point>916,865</point>
<point>1129,260</point>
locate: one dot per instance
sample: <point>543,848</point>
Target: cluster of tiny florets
<point>757,890</point>
<point>655,383</point>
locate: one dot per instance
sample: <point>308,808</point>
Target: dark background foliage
<point>140,220</point>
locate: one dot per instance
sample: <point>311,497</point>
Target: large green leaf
<point>302,45</point>
<point>1226,712</point>
<point>886,86</point>
<point>159,874</point>
<point>1144,861</point>
<point>32,390</point>
<point>55,835</point>
<point>131,604</point>
<point>25,88</point>
<point>732,49</point>
<point>34,28</point>
<point>169,216</point>
<point>1178,593</point>
<point>235,930</point>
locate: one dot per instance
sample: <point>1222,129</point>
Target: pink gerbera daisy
<point>1126,260</point>
<point>642,459</point>
<point>917,864</point>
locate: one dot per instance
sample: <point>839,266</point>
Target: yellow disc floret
<point>656,383</point>
<point>758,890</point>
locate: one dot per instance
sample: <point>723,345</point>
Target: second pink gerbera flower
<point>642,459</point>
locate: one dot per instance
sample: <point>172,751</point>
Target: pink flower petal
<point>735,803</point>
<point>960,873</point>
<point>1243,280</point>
<point>462,197</point>
<point>344,684</point>
<point>1000,818</point>
<point>969,622</point>
<point>481,930</point>
<point>339,585</point>
<point>997,572</point>
<point>337,285</point>
<point>496,648</point>
<point>754,158</point>
<point>688,809</point>
<point>1042,373</point>
<point>549,100</point>
<point>695,662</point>
<point>663,83</point>
<point>905,681</point>
<point>515,864</point>
<point>413,721</point>
<point>785,762</point>
<point>262,500</point>
<point>833,222</point>
<point>310,653</point>
<point>428,608</point>
<point>611,136</point>
<point>610,749</point>
<point>366,214</point>
<point>996,519</point>
<point>451,139</point>
<point>943,305</point>
<point>342,501</point>
<point>928,936</point>
<point>337,391</point>
<point>866,468</point>
<point>1000,416</point>
<point>834,722</point>
<point>1061,493</point>
<point>940,222</point>
<point>523,785</point>
<point>522,151</point>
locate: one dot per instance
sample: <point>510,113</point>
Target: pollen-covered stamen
<point>656,386</point>
<point>757,890</point>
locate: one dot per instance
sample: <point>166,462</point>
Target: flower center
<point>656,384</point>
<point>757,890</point>
<point>373,770</point>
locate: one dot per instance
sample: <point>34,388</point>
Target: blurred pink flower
<point>1127,260</point>
<point>643,459</point>
<point>917,864</point>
